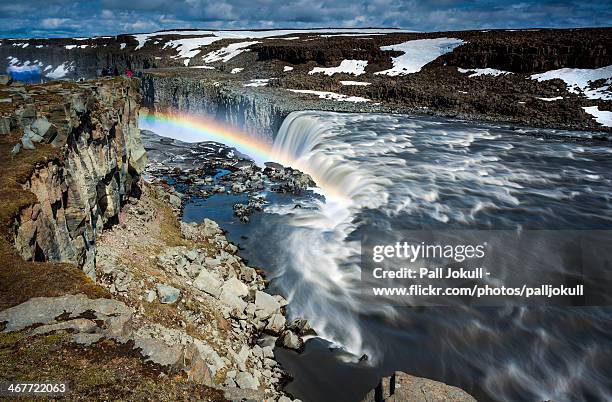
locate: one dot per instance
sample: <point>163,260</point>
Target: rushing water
<point>386,173</point>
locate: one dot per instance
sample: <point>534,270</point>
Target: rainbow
<point>192,128</point>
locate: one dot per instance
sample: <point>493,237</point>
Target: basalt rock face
<point>252,112</point>
<point>85,57</point>
<point>533,51</point>
<point>82,190</point>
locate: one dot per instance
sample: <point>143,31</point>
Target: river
<point>384,173</point>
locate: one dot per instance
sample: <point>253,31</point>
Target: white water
<point>397,172</point>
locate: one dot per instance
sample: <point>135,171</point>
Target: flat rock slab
<point>46,310</point>
<point>402,387</point>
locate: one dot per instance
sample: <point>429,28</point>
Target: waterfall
<point>320,271</point>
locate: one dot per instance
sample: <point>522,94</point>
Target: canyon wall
<point>80,191</point>
<point>255,112</point>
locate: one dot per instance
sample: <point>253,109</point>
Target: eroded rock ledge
<point>80,191</point>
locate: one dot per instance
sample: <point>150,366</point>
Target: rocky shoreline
<point>196,293</point>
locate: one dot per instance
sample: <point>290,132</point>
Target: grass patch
<point>104,371</point>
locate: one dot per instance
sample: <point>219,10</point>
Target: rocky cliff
<point>255,112</point>
<point>79,189</point>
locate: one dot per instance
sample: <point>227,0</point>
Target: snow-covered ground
<point>228,52</point>
<point>331,95</point>
<point>355,67</point>
<point>477,72</point>
<point>145,37</point>
<point>418,53</point>
<point>578,80</point>
<point>358,83</point>
<point>601,116</point>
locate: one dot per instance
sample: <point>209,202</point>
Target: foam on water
<point>398,172</point>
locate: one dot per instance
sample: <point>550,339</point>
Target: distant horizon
<point>402,30</point>
<point>68,19</point>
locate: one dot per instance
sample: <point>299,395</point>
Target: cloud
<point>54,23</point>
<point>108,17</point>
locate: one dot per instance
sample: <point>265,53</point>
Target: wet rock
<point>167,294</point>
<point>402,387</point>
<point>291,341</point>
<point>301,327</point>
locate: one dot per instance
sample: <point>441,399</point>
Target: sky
<point>63,18</point>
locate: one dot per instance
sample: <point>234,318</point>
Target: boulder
<point>246,380</point>
<point>236,287</point>
<point>402,387</point>
<point>265,304</point>
<point>232,301</point>
<point>276,323</point>
<point>167,294</point>
<point>291,341</point>
<point>5,125</point>
<point>208,282</point>
<point>301,327</point>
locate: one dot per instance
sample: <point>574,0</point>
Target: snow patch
<point>603,117</point>
<point>122,46</point>
<point>189,47</point>
<point>331,95</point>
<point>359,83</point>
<point>228,52</point>
<point>204,67</point>
<point>287,68</point>
<point>236,70</point>
<point>477,72</point>
<point>578,80</point>
<point>259,82</point>
<point>355,67</point>
<point>60,71</point>
<point>551,99</point>
<point>418,53</point>
<point>70,47</point>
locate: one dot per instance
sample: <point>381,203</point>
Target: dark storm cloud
<point>27,18</point>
